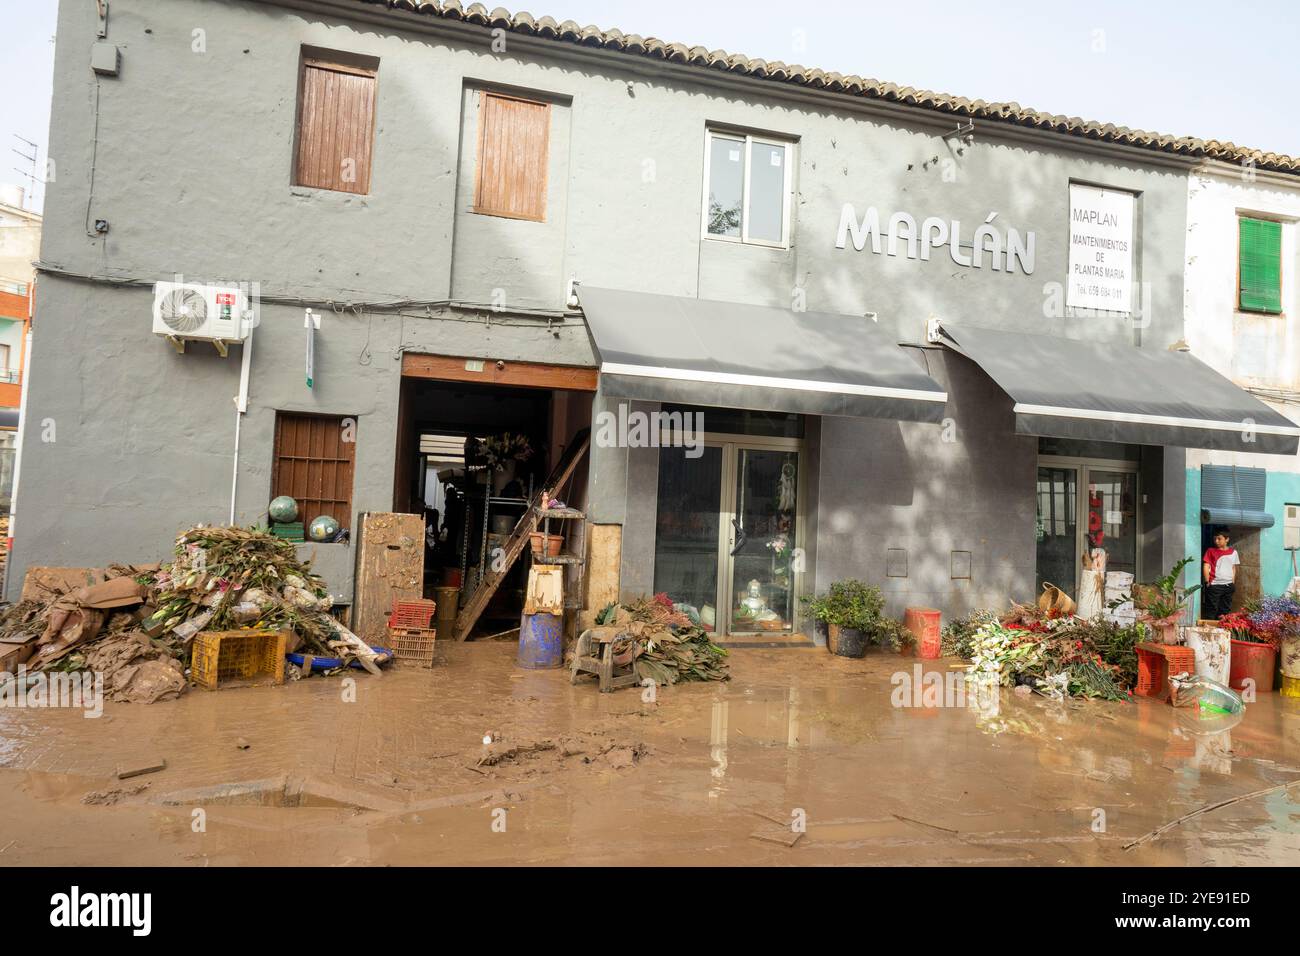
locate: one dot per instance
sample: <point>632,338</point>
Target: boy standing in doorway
<point>1219,569</point>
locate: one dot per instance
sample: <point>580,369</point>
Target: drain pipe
<point>241,406</point>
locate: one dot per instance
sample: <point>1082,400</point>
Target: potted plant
<point>851,610</point>
<point>895,635</point>
<point>500,455</point>
<point>815,608</point>
<point>1270,626</point>
<point>1162,603</point>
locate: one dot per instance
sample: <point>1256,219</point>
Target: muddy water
<point>706,774</point>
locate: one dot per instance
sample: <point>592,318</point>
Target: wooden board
<point>390,567</point>
<point>604,556</point>
<point>519,374</point>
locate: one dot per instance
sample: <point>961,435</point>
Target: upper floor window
<point>1259,265</point>
<point>336,124</point>
<point>514,137</point>
<point>747,188</point>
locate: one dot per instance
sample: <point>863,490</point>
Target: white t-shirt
<point>1223,568</point>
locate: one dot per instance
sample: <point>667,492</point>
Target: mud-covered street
<point>707,774</point>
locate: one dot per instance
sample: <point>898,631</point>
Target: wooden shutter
<point>336,127</point>
<point>1259,265</point>
<point>314,464</point>
<point>513,147</point>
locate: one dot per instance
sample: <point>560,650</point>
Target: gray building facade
<point>186,154</point>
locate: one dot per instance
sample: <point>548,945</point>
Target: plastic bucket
<point>1254,661</point>
<point>541,641</point>
<point>448,601</point>
<point>1291,657</point>
<point>1213,649</point>
<point>923,622</point>
<point>846,641</point>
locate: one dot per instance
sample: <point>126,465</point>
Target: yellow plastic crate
<point>222,658</point>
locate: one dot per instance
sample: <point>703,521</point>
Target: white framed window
<point>747,185</point>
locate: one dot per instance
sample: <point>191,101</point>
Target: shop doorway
<point>728,536</point>
<point>475,441</point>
<point>1085,504</point>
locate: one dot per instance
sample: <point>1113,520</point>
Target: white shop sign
<point>1101,249</point>
<point>1003,252</point>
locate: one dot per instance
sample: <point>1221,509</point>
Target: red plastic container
<point>923,622</point>
<point>1156,662</point>
<point>1255,661</point>
<point>416,614</point>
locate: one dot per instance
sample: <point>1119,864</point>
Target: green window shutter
<point>1259,265</point>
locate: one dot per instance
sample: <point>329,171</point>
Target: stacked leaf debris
<point>662,642</point>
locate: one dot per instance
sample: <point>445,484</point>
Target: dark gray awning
<point>1114,392</point>
<point>1235,496</point>
<point>726,354</point>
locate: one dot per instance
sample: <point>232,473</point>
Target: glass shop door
<point>761,558</point>
<point>1084,505</point>
<point>727,534</point>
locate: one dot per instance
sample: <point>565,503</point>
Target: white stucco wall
<point>1253,350</point>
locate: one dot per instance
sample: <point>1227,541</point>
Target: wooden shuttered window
<point>1259,265</point>
<point>514,138</point>
<point>336,126</point>
<point>315,456</point>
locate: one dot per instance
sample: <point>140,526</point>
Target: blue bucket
<point>541,641</point>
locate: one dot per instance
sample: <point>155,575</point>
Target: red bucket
<point>923,622</point>
<point>1255,661</point>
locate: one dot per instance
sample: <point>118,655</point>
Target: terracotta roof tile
<point>635,45</point>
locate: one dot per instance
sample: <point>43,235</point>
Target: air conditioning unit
<point>210,313</point>
<point>1291,528</point>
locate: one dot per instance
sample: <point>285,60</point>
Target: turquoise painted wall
<point>1283,488</point>
<point>1275,573</point>
<point>1192,545</point>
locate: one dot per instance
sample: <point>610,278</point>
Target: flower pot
<point>1291,656</point>
<point>820,629</point>
<point>1252,661</point>
<point>1213,652</point>
<point>846,641</point>
<point>545,545</point>
<point>1164,631</point>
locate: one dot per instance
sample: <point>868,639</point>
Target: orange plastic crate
<point>1156,662</point>
<point>412,645</point>
<point>412,614</point>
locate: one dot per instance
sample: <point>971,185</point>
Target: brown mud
<point>706,774</point>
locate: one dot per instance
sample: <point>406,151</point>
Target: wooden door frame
<point>487,371</point>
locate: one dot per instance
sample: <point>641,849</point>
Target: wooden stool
<point>594,654</point>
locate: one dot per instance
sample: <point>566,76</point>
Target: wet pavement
<point>705,774</point>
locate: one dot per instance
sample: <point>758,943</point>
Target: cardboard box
<point>14,654</point>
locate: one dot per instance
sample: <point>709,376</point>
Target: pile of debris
<point>663,643</point>
<point>136,624</point>
<point>228,578</point>
<point>73,620</point>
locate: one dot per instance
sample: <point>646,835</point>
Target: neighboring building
<point>20,243</point>
<point>1242,307</point>
<point>764,242</point>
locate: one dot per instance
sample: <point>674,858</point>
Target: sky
<point>1185,67</point>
